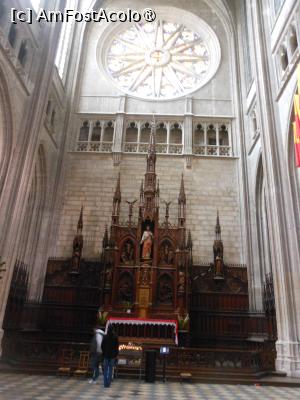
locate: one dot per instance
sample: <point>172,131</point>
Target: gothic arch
<point>6,129</point>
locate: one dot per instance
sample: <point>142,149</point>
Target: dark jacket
<point>110,346</point>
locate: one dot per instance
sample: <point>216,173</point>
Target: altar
<point>145,330</point>
<point>147,263</point>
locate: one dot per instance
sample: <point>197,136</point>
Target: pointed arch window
<point>96,133</point>
<point>63,49</point>
<point>168,137</point>
<point>212,139</point>
<point>96,136</point>
<point>23,53</point>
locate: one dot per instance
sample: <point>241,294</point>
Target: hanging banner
<point>296,124</point>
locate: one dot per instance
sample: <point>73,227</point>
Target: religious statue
<point>77,251</point>
<point>108,278</point>
<point>219,267</point>
<point>147,240</point>
<point>167,255</point>
<point>167,203</point>
<point>125,292</point>
<point>181,282</point>
<point>130,214</point>
<point>165,292</point>
<point>127,256</point>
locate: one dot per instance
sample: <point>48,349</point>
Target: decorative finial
<point>105,238</point>
<point>80,220</point>
<point>167,203</point>
<point>218,227</point>
<point>182,196</point>
<point>117,195</point>
<point>189,244</point>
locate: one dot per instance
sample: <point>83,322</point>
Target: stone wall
<point>210,185</point>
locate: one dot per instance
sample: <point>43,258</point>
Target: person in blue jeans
<point>96,353</point>
<point>110,351</point>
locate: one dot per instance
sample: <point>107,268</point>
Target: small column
<point>139,123</point>
<point>182,213</point>
<point>118,134</point>
<point>188,133</point>
<point>218,138</point>
<point>91,126</point>
<point>168,136</point>
<point>230,140</point>
<point>205,137</point>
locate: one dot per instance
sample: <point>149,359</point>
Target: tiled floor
<point>29,387</point>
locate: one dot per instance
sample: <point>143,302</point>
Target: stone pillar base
<point>1,337</point>
<point>288,358</point>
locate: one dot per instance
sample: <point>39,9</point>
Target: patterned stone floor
<point>31,387</point>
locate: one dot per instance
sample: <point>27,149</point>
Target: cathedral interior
<point>149,181</point>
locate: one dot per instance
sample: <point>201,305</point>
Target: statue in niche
<point>127,255</point>
<point>167,255</point>
<point>77,251</point>
<point>165,292</point>
<point>146,242</point>
<point>219,267</point>
<point>125,291</point>
<point>108,278</point>
<point>181,282</point>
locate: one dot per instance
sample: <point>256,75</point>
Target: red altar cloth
<point>144,321</point>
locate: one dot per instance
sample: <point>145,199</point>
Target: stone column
<point>283,245</point>
<point>19,177</point>
<point>188,133</point>
<point>118,136</point>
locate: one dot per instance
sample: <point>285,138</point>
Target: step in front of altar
<point>205,365</point>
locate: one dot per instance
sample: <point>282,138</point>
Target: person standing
<point>110,351</point>
<point>96,353</point>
